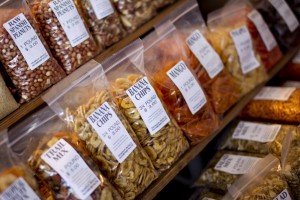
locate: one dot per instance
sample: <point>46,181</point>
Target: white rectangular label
<point>256,132</point>
<point>284,195</point>
<point>72,168</point>
<point>263,29</point>
<point>235,164</point>
<point>111,130</point>
<point>70,20</point>
<point>286,13</point>
<point>275,93</point>
<point>148,104</point>
<point>243,43</point>
<point>296,59</point>
<point>206,55</point>
<point>183,78</point>
<point>27,41</point>
<point>295,84</point>
<point>19,190</point>
<point>102,8</point>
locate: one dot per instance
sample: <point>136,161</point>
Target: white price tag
<point>263,29</point>
<point>286,13</point>
<point>275,93</point>
<point>256,132</point>
<point>284,195</point>
<point>148,104</point>
<point>111,130</point>
<point>72,168</point>
<point>102,8</point>
<point>206,55</point>
<point>183,78</point>
<point>235,164</point>
<point>296,59</point>
<point>295,84</point>
<point>27,41</point>
<point>19,190</point>
<point>70,20</point>
<point>243,43</point>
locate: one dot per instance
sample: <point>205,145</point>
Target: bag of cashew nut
<point>64,30</point>
<point>59,159</point>
<point>24,53</point>
<point>166,64</point>
<point>103,21</point>
<point>88,107</point>
<point>158,133</point>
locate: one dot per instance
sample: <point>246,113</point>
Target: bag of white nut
<point>156,130</point>
<point>88,108</point>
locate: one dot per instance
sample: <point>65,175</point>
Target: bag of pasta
<point>16,180</point>
<point>65,32</point>
<point>217,82</point>
<point>59,159</point>
<point>158,133</point>
<point>292,69</point>
<point>103,21</point>
<point>264,181</point>
<point>88,108</point>
<point>279,104</point>
<point>24,53</point>
<point>166,64</point>
<point>226,167</point>
<point>231,39</point>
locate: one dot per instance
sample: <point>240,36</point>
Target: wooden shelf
<point>168,175</point>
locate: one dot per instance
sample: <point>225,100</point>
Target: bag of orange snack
<point>168,66</point>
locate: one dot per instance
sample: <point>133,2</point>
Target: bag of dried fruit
<point>264,181</point>
<point>24,53</point>
<point>88,107</point>
<point>231,39</point>
<point>65,32</point>
<point>158,133</point>
<point>167,65</point>
<point>59,159</point>
<point>292,69</point>
<point>218,83</point>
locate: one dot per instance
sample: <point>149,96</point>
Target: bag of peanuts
<point>231,39</point>
<point>292,69</point>
<point>24,53</point>
<point>218,83</point>
<point>88,107</point>
<point>167,66</point>
<point>279,104</point>
<point>59,159</point>
<point>103,21</point>
<point>157,131</point>
<point>64,30</point>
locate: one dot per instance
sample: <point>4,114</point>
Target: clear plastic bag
<point>67,36</point>
<point>164,54</point>
<point>166,142</point>
<point>88,108</point>
<point>24,53</point>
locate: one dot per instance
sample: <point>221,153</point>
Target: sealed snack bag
<point>167,65</point>
<point>292,69</point>
<point>264,181</point>
<point>280,104</point>
<point>103,21</point>
<point>231,39</point>
<point>158,133</point>
<point>88,108</point>
<point>24,52</point>
<point>218,83</point>
<point>65,32</point>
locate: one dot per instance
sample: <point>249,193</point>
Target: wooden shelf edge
<point>170,174</point>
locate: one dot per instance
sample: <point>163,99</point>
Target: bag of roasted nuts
<point>103,21</point>
<point>158,133</point>
<point>65,32</point>
<point>87,106</point>
<point>24,52</point>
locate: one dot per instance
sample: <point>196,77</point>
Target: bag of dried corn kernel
<point>24,53</point>
<point>167,66</point>
<point>218,83</point>
<point>157,131</point>
<point>59,159</point>
<point>64,30</point>
<point>88,107</point>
